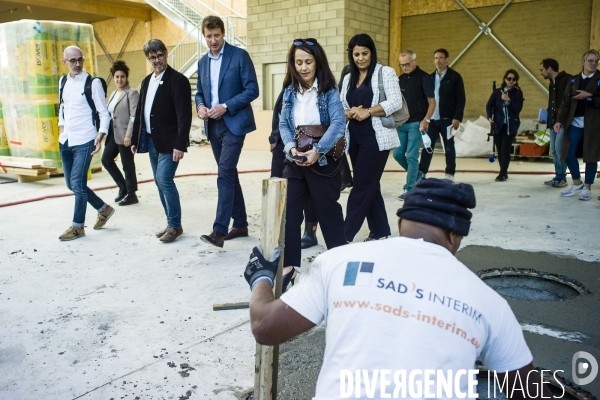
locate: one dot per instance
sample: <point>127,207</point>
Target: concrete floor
<point>119,315</point>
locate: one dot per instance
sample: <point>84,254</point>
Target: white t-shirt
<point>404,304</point>
<point>152,88</point>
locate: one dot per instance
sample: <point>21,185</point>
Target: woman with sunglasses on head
<point>310,98</point>
<point>370,141</point>
<point>507,103</point>
<point>122,104</point>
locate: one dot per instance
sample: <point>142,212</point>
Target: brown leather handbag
<point>307,135</point>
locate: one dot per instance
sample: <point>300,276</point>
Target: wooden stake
<point>274,193</point>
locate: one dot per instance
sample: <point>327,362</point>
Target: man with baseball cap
<point>402,304</point>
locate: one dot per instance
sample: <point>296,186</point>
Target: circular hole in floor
<point>531,284</point>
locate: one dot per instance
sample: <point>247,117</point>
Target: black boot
<point>309,239</point>
<point>121,195</point>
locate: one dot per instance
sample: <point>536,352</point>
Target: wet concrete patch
<point>554,330</point>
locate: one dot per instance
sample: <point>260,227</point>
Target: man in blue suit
<point>226,86</point>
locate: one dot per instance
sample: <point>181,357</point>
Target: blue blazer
<point>238,86</point>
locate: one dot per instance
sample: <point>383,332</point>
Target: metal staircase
<point>188,15</point>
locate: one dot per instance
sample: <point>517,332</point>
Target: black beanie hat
<point>440,202</point>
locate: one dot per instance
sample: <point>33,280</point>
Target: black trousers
<point>111,150</point>
<point>437,127</point>
<point>365,199</point>
<point>503,144</point>
<point>304,184</point>
<point>277,164</point>
<point>346,173</point>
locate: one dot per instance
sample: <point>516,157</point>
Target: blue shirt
<point>215,69</point>
<point>436,90</point>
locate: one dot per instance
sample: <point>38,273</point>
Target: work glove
<point>259,268</point>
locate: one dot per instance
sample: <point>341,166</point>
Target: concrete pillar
<point>396,33</point>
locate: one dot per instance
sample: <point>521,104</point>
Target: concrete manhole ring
<point>530,284</point>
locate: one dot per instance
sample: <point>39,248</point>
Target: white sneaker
<point>450,177</point>
<point>572,190</point>
<point>585,194</point>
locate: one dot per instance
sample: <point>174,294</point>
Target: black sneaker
<point>122,194</point>
<point>129,199</point>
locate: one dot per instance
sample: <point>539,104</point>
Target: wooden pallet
<point>27,169</point>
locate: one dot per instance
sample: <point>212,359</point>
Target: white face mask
<point>426,142</point>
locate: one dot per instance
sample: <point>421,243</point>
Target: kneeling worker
<point>398,306</point>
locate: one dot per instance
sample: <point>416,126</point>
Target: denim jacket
<point>331,112</point>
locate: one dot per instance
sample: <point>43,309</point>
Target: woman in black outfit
<point>370,141</point>
<point>507,102</point>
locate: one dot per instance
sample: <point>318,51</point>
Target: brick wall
<point>530,30</point>
<point>274,24</point>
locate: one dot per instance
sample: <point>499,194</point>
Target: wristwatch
<point>427,120</point>
<point>225,106</point>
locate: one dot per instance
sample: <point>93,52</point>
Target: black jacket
<point>275,134</point>
<point>513,108</point>
<point>171,114</point>
<point>452,97</point>
<point>555,95</point>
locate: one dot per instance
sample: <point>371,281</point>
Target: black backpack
<point>87,90</point>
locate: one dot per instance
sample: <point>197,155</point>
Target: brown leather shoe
<point>160,233</point>
<point>171,234</point>
<point>215,238</point>
<point>236,232</point>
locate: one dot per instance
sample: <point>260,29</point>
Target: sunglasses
<point>309,41</point>
<point>511,79</point>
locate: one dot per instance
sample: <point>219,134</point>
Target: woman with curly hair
<point>122,104</point>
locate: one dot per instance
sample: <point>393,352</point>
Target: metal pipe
<point>499,12</point>
<point>103,48</point>
<point>483,28</point>
<point>466,48</point>
<point>124,44</point>
<point>469,13</point>
<point>512,57</point>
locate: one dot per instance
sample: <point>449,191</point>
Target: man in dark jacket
<point>450,100</point>
<point>227,84</point>
<point>162,128</point>
<point>579,114</point>
<point>558,82</point>
<point>417,88</point>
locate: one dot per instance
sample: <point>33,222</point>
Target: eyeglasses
<point>511,79</point>
<point>79,60</point>
<point>159,56</point>
<point>309,41</point>
<point>407,64</point>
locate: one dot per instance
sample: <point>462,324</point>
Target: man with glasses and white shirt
<point>80,138</point>
<point>162,128</point>
<point>579,114</point>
